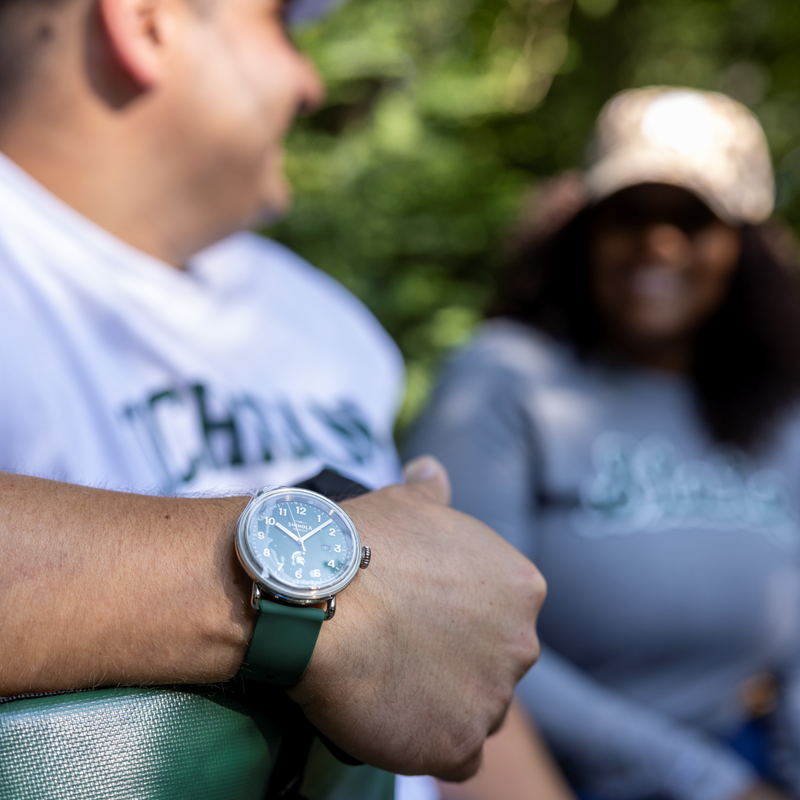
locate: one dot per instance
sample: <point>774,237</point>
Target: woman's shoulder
<point>513,347</point>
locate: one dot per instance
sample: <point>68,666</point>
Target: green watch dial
<point>298,544</point>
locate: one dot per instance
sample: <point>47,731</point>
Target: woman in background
<point>629,420</point>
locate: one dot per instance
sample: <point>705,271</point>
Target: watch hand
<point>316,530</point>
<point>289,533</point>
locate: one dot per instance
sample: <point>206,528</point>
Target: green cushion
<point>157,744</point>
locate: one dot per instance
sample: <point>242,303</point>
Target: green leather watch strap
<point>283,643</point>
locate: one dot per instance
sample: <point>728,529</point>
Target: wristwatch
<point>301,550</point>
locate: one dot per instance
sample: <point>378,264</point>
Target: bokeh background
<point>442,115</point>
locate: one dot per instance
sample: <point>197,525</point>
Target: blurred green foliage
<point>442,114</point>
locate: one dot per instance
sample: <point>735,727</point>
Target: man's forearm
<point>104,588</point>
<point>411,675</point>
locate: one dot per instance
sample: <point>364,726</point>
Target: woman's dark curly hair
<point>746,369</point>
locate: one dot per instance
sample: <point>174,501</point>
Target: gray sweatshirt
<point>673,566</point>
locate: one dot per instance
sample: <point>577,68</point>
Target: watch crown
<point>366,555</point>
<point>255,596</point>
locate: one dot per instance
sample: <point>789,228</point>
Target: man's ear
<point>136,33</point>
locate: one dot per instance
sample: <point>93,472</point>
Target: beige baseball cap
<point>701,141</point>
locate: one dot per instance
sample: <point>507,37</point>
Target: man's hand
<point>419,664</point>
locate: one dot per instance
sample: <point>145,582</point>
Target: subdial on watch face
<point>299,543</point>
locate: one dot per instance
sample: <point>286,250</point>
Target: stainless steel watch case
<point>267,585</point>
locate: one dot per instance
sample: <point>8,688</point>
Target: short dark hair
<point>24,30</point>
<point>746,370</point>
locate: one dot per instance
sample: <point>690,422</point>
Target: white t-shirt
<point>249,368</point>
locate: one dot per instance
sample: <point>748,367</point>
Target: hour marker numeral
<point>298,574</point>
<point>332,564</point>
<point>301,510</point>
<point>315,573</point>
<point>282,512</point>
<point>266,552</point>
<point>337,548</point>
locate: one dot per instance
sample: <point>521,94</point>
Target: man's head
<point>174,111</point>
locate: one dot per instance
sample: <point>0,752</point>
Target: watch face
<point>298,544</point>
